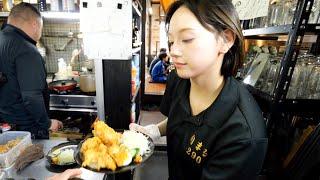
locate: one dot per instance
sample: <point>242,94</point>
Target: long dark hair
<point>216,16</point>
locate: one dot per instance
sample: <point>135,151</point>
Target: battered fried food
<point>121,155</point>
<point>91,143</point>
<point>97,157</point>
<point>108,136</point>
<point>137,159</point>
<point>105,150</point>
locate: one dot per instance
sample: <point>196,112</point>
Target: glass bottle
<point>272,12</point>
<point>313,84</point>
<point>42,5</point>
<point>315,11</point>
<point>287,12</point>
<point>276,13</point>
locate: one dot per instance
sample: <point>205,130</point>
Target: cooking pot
<point>62,85</point>
<point>87,83</point>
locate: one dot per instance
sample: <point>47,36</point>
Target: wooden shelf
<point>278,30</point>
<point>60,15</point>
<point>4,14</point>
<point>52,15</point>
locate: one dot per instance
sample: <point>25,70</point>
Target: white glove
<point>88,174</point>
<point>151,130</point>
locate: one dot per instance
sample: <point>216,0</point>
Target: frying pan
<point>62,85</point>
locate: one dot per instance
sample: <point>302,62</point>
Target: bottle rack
<point>295,32</point>
<point>277,109</point>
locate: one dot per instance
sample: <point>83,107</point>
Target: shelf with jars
<point>61,15</point>
<point>278,78</point>
<point>52,15</point>
<point>4,14</point>
<point>274,30</point>
<point>280,18</point>
<point>60,9</point>
<point>286,83</point>
<point>279,30</point>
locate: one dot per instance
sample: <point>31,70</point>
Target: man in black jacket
<point>24,98</point>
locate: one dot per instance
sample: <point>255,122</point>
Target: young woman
<point>214,128</point>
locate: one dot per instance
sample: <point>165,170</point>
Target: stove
<point>75,109</point>
<point>73,101</point>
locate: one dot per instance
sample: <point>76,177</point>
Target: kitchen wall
<point>59,43</point>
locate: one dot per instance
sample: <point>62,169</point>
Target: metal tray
<point>62,146</point>
<point>78,157</point>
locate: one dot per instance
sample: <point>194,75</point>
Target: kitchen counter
<point>157,164</point>
<point>41,169</point>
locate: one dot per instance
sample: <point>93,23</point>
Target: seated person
<point>156,59</point>
<point>158,72</point>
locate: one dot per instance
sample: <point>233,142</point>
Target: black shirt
<point>24,98</point>
<point>225,141</point>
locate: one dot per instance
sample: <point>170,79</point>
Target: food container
<point>8,158</point>
<point>87,83</point>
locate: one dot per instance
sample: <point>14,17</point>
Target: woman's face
<point>194,50</point>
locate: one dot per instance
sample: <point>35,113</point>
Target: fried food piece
<point>121,155</point>
<point>4,149</point>
<point>137,159</point>
<point>108,136</point>
<point>98,158</point>
<point>91,143</point>
<point>10,144</point>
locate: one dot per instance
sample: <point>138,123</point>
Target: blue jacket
<point>153,62</point>
<point>158,72</point>
<point>24,99</point>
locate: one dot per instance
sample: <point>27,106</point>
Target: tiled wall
<point>54,37</point>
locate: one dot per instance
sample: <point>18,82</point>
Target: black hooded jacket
<point>24,98</point>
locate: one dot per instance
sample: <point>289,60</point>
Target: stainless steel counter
<point>40,169</point>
